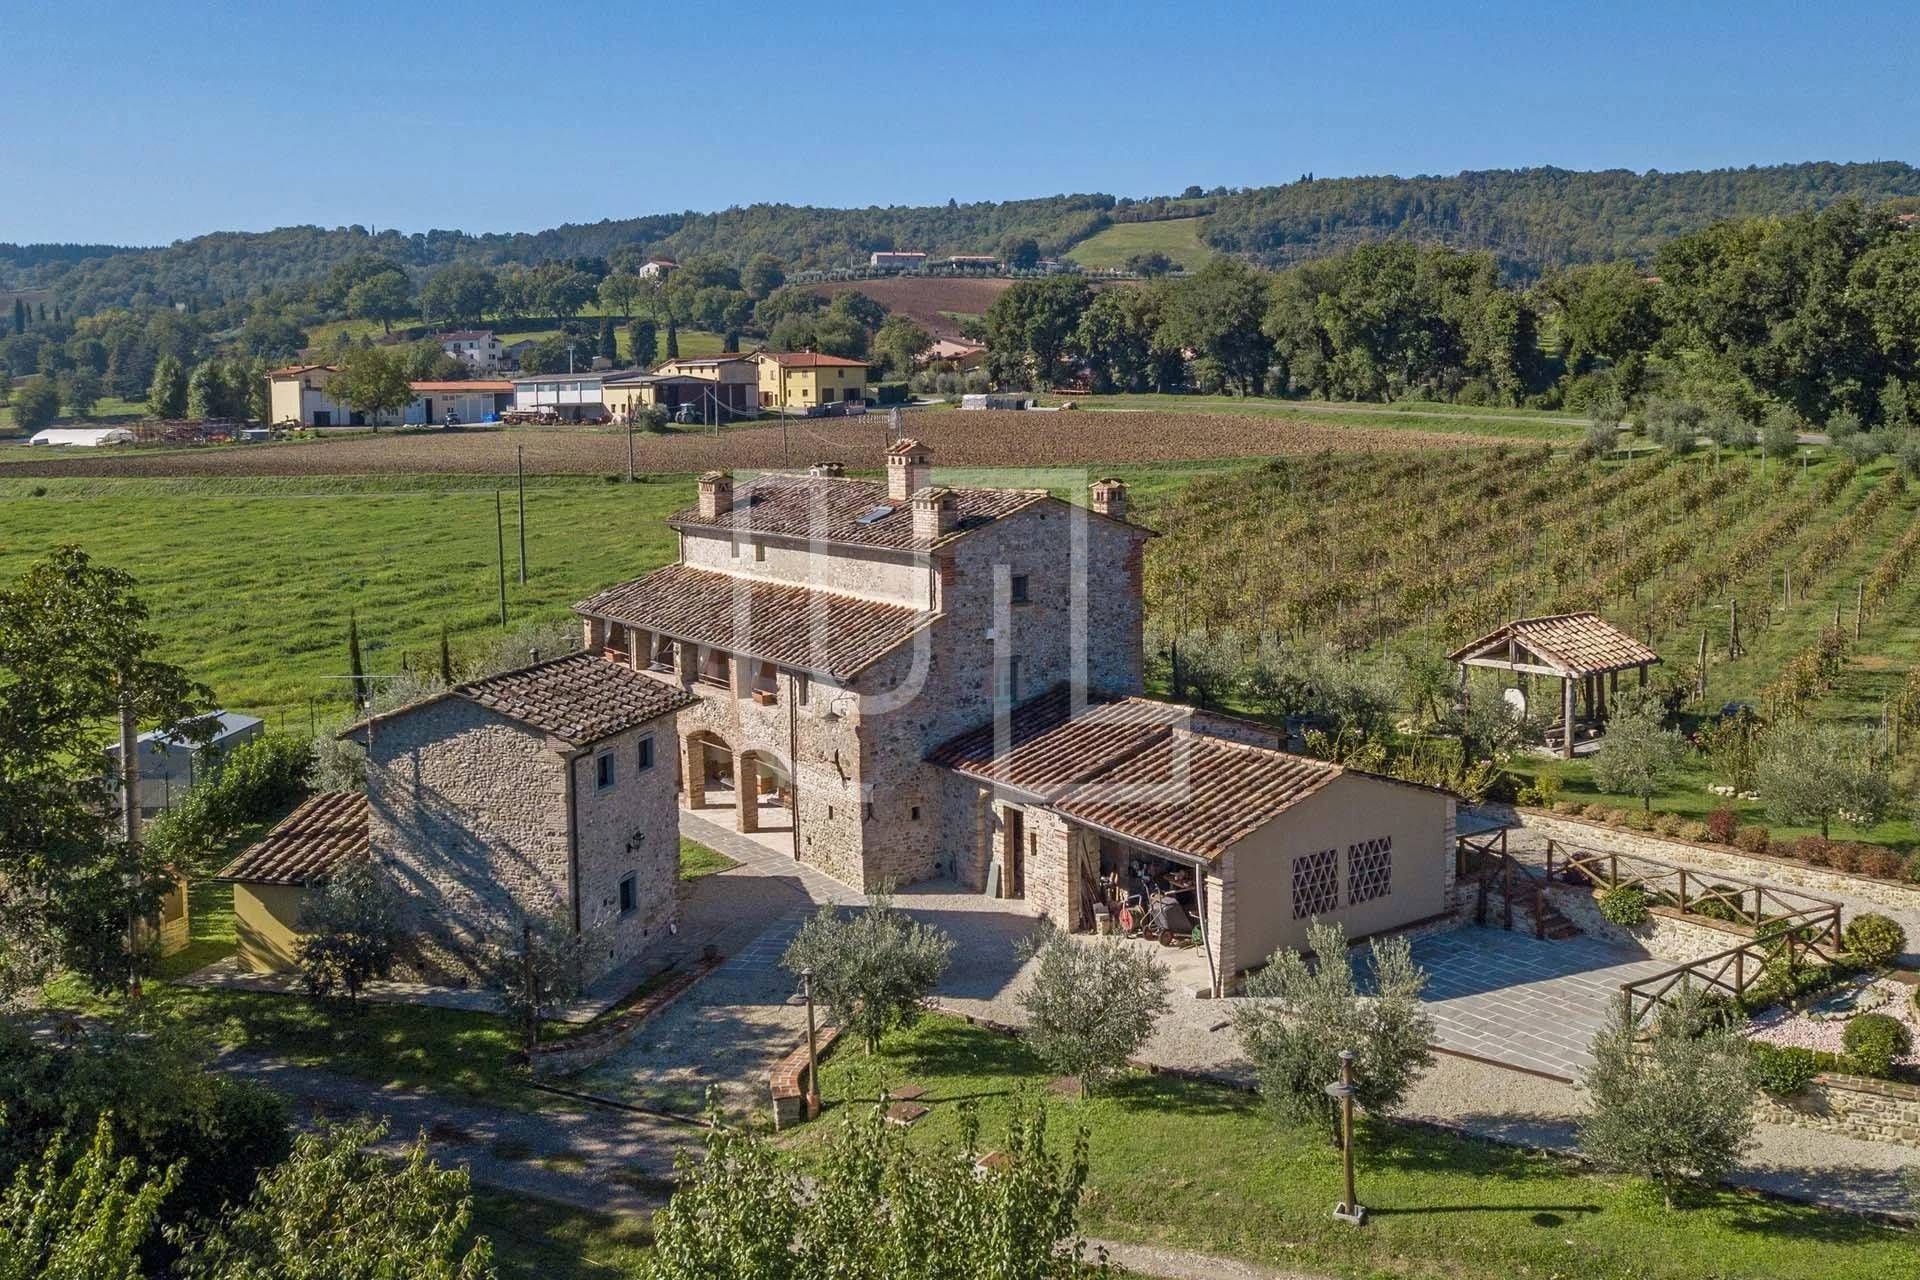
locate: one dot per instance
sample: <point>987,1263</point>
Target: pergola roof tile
<point>1574,644</point>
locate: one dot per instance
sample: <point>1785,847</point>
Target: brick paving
<point>1511,998</point>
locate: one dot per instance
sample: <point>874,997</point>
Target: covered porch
<point>754,784</point>
<point>1582,651</point>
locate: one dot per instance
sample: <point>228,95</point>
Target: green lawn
<point>1201,1167</point>
<point>1178,238</point>
<point>538,1240</point>
<point>1412,415</point>
<point>250,581</point>
<point>697,860</point>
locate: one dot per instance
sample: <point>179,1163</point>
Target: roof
<point>1574,644</point>
<point>325,831</point>
<point>1043,749</point>
<point>1135,768</point>
<point>579,698</point>
<point>82,435</point>
<point>655,379</point>
<point>852,512</point>
<point>476,385</point>
<point>226,724</point>
<point>734,357</point>
<point>1196,794</point>
<point>295,370</point>
<point>810,360</point>
<point>465,335</point>
<point>798,627</point>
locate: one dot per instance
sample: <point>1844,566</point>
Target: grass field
<point>1197,1166</point>
<point>537,1240</point>
<point>1178,238</point>
<point>1413,415</point>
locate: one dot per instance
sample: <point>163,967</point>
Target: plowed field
<point>958,439</point>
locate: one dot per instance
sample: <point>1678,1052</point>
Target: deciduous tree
<point>373,381</point>
<point>351,930</point>
<point>36,403</point>
<point>167,394</point>
<point>385,297</point>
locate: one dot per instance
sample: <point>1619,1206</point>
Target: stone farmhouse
<point>899,680</point>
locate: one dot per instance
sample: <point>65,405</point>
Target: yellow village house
<point>805,379</point>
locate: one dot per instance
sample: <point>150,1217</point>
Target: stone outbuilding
<point>544,793</point>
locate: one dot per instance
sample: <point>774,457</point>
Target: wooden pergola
<point>1584,651</point>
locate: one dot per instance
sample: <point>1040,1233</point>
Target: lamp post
<point>1349,1209</point>
<point>813,1051</point>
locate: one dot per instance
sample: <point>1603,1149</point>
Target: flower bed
<point>1822,1023</point>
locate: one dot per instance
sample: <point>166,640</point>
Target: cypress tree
<point>446,658</point>
<point>609,347</point>
<point>673,340</point>
<point>644,342</point>
<point>19,315</point>
<point>355,668</point>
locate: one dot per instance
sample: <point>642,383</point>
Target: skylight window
<point>874,514</point>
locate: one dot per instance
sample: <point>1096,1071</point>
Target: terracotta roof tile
<point>1042,749</point>
<point>811,360</point>
<point>321,834</point>
<point>1195,794</point>
<point>790,626</point>
<point>834,509</point>
<point>580,698</point>
<point>1579,644</point>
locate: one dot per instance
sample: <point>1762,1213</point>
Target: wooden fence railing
<point>1728,899</point>
<point>1485,858</point>
<point>1734,971</point>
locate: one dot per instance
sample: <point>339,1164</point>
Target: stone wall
<point>1666,935</point>
<point>1857,1107</point>
<point>468,812</point>
<point>1719,857</point>
<point>630,828</point>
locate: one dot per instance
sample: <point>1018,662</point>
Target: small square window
<point>629,894</point>
<point>1019,589</point>
<point>916,813</point>
<point>603,770</point>
<point>646,752</point>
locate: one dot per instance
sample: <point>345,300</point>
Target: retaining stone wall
<point>1854,1106</point>
<point>1666,935</point>
<point>1719,857</point>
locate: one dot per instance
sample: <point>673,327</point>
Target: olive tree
<point>1671,1102</point>
<point>351,930</point>
<point>535,968</point>
<point>1092,1004</point>
<point>1638,754</point>
<point>1303,1013</point>
<point>874,969</point>
<point>1814,773</point>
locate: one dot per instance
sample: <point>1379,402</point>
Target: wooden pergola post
<point>1566,712</point>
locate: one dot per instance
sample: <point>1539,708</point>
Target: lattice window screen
<point>1316,883</point>
<point>1369,870</point>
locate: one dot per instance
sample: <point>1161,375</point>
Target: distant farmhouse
<point>478,349</point>
<point>806,380</point>
<point>897,260</point>
<point>657,268</point>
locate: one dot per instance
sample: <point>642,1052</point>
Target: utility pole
<point>130,799</point>
<point>629,448</point>
<point>500,546</point>
<point>813,1051</point>
<point>520,476</point>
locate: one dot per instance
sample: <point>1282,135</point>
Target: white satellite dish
<point>1516,702</point>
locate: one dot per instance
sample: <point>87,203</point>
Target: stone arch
<point>708,765</point>
<point>764,791</point>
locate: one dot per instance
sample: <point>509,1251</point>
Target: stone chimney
<point>934,514</point>
<point>827,470</point>
<point>909,469</point>
<point>1110,498</point>
<point>716,495</point>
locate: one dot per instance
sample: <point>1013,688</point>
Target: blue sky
<point>145,122</point>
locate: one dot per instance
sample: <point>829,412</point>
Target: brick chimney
<point>1110,498</point>
<point>827,470</point>
<point>934,514</point>
<point>909,469</point>
<point>716,495</point>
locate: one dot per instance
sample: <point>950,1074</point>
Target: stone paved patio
<point>1511,998</point>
